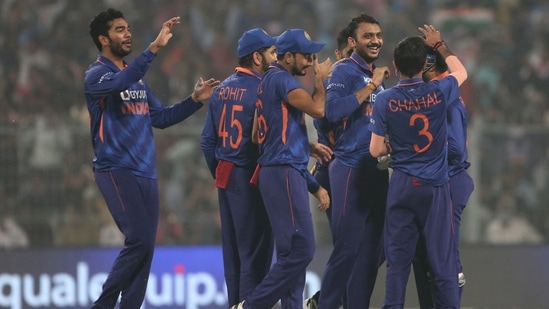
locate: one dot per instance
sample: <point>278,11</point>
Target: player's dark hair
<point>440,63</point>
<point>101,24</point>
<point>247,61</point>
<point>362,18</point>
<point>342,38</point>
<point>409,55</point>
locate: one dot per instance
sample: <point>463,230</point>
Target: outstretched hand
<point>165,34</point>
<point>432,35</point>
<point>203,89</point>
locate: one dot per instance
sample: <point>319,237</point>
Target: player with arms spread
<point>232,157</point>
<point>123,111</point>
<point>413,114</point>
<point>284,180</point>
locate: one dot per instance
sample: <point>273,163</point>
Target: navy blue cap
<point>297,41</point>
<point>253,40</point>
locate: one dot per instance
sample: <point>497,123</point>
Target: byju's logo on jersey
<point>127,95</point>
<point>135,102</point>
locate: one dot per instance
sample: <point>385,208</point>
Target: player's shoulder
<point>97,70</point>
<point>345,68</point>
<point>342,64</point>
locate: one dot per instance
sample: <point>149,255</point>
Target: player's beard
<point>118,50</point>
<point>296,71</point>
<point>264,64</point>
<point>364,55</point>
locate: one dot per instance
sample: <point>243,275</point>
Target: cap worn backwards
<point>297,41</point>
<point>253,40</point>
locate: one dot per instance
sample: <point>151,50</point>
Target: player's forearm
<point>167,116</point>
<point>319,99</point>
<point>339,108</point>
<point>455,66</point>
<point>378,147</point>
<point>365,92</point>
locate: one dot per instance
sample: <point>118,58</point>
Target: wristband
<point>372,86</point>
<point>438,44</point>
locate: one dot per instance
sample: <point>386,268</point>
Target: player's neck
<point>418,75</point>
<point>118,61</point>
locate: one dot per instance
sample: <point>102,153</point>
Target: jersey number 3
<point>423,132</point>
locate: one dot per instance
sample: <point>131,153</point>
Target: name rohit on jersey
<point>231,93</point>
<point>130,106</point>
<point>397,105</point>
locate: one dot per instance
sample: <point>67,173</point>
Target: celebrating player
<point>284,180</point>
<point>413,114</point>
<point>232,157</point>
<point>327,134</point>
<point>123,111</point>
<point>461,183</point>
<point>359,189</point>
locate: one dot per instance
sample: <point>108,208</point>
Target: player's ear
<point>256,58</point>
<point>289,57</point>
<point>103,40</point>
<point>351,42</point>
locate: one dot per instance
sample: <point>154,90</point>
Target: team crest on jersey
<point>141,82</point>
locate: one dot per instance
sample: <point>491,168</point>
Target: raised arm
<point>433,38</point>
<point>313,105</point>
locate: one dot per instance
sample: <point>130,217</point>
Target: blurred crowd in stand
<point>48,196</point>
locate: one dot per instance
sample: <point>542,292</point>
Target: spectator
<point>509,228</point>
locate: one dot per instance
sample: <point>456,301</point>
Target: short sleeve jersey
<point>282,131</point>
<point>230,118</point>
<point>413,113</point>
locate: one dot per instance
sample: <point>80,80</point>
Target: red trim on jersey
<point>284,121</point>
<point>117,192</point>
<point>441,75</point>
<point>290,197</point>
<point>347,191</point>
<point>102,106</point>
<point>244,70</point>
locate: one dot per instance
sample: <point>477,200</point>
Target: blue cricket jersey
<point>348,76</point>
<point>283,135</point>
<point>457,135</point>
<point>327,134</point>
<point>227,133</point>
<point>123,111</point>
<point>457,138</point>
<point>413,113</point>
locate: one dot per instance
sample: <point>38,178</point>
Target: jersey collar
<point>441,75</point>
<point>361,63</point>
<point>276,65</point>
<point>106,61</point>
<point>248,72</point>
<point>409,82</point>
